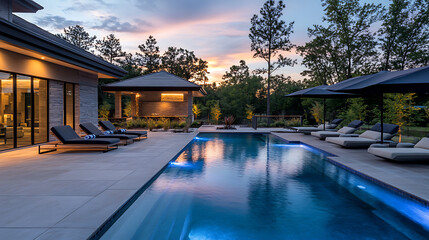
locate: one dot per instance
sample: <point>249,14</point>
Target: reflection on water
<point>254,186</point>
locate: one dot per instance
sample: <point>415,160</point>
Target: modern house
<point>44,80</point>
<point>159,94</point>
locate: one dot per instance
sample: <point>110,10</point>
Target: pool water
<point>256,186</point>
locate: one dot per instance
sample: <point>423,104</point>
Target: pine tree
<point>77,36</point>
<point>110,48</point>
<point>269,36</point>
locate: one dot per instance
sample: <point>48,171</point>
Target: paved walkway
<point>409,177</point>
<point>67,195</point>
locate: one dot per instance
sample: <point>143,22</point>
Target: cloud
<point>113,24</point>
<point>80,6</point>
<point>56,22</point>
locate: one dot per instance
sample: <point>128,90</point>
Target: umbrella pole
<point>324,114</point>
<point>382,117</point>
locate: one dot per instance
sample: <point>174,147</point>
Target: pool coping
<point>99,232</point>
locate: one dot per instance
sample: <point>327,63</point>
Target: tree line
<point>354,38</point>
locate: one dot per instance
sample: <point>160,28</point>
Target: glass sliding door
<point>6,111</point>
<point>69,104</point>
<point>40,124</point>
<point>24,113</point>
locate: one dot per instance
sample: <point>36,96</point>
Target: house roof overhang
<point>49,45</point>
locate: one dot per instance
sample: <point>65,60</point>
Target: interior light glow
<point>172,97</point>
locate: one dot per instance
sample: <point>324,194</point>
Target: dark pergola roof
<point>29,36</point>
<point>159,81</point>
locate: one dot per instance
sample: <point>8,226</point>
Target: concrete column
<point>190,114</point>
<point>118,105</point>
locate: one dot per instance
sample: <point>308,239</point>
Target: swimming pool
<point>256,186</point>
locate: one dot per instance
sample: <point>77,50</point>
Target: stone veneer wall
<point>56,105</point>
<point>88,104</point>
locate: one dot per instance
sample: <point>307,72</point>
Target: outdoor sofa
<point>107,125</point>
<point>90,128</point>
<point>367,138</point>
<point>329,127</point>
<point>69,139</point>
<point>349,129</point>
<point>403,152</point>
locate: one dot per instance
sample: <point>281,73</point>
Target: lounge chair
<point>90,128</point>
<point>68,139</point>
<point>329,127</point>
<point>349,129</point>
<point>107,125</point>
<point>367,138</point>
<point>403,152</point>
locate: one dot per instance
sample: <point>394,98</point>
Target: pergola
<point>159,94</point>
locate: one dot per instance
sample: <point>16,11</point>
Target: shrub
<point>182,125</point>
<point>196,124</point>
<point>104,111</point>
<point>295,122</point>
<point>279,123</point>
<point>174,124</point>
<point>137,123</point>
<point>151,124</point>
<point>159,123</point>
<point>166,123</point>
<point>228,122</point>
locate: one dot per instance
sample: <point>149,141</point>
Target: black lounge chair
<point>90,128</point>
<point>107,125</point>
<point>69,139</point>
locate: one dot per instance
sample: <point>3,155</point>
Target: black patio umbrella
<point>405,81</point>
<point>320,92</point>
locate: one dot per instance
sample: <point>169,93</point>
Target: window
<point>6,111</point>
<point>23,110</point>
<point>172,97</point>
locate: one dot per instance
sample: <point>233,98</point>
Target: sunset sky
<point>216,30</point>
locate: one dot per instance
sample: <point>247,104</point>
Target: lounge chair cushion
<point>93,141</point>
<point>336,121</point>
<point>346,130</point>
<point>67,135</point>
<point>351,142</point>
<point>401,154</point>
<point>355,124</point>
<point>387,128</point>
<point>423,143</point>
<point>325,134</point>
<point>120,136</point>
<point>375,135</point>
<point>137,133</point>
<point>107,125</point>
<point>64,133</point>
<point>90,128</point>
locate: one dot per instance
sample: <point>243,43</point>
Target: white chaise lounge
<point>403,152</point>
<point>349,129</point>
<point>366,138</point>
<point>329,127</point>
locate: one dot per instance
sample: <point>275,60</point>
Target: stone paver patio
<point>68,195</point>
